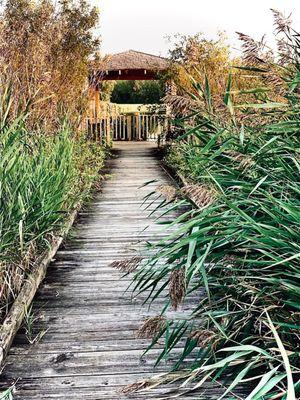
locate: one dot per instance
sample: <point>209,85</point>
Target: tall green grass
<point>41,179</point>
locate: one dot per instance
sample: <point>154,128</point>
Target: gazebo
<point>128,65</point>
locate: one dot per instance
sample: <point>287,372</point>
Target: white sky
<point>143,24</point>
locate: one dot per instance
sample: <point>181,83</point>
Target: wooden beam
<point>131,74</point>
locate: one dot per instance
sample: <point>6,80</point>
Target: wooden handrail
<point>109,121</point>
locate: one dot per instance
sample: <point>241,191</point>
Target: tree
<point>44,51</point>
<point>137,92</point>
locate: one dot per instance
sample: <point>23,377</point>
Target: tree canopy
<point>137,92</point>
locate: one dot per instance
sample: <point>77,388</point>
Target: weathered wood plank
<point>90,349</point>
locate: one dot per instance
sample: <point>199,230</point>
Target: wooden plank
<point>90,349</point>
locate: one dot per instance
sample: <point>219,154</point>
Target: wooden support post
<point>97,112</point>
<point>91,103</point>
<point>129,132</point>
<point>118,127</point>
<point>108,133</point>
<point>94,110</point>
<point>142,127</point>
<point>138,127</point>
<point>153,127</point>
<point>97,102</point>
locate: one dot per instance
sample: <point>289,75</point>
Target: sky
<point>144,24</point>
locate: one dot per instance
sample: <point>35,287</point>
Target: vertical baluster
<point>143,128</point>
<point>128,123</point>
<point>120,128</point>
<point>124,127</point>
<point>136,127</point>
<point>157,126</point>
<point>152,127</point>
<point>116,122</point>
<point>139,127</point>
<point>147,127</point>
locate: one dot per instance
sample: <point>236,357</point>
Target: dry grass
<point>135,387</point>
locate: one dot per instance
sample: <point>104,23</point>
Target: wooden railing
<point>127,122</point>
<point>139,126</point>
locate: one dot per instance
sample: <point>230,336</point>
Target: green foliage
<point>137,92</point>
<point>7,394</point>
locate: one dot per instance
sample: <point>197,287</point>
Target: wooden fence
<point>127,122</point>
<point>137,126</point>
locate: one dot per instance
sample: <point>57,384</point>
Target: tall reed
<point>42,177</point>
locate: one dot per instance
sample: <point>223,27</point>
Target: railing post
<point>147,127</point>
<point>129,132</point>
<point>108,135</point>
<point>138,127</point>
<point>124,127</point>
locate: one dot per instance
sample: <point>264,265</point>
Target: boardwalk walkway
<point>89,350</point>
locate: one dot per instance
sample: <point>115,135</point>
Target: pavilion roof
<point>132,59</point>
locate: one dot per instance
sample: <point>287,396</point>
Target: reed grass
<point>237,248</point>
<point>42,178</point>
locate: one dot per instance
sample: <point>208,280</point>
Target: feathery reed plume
<point>135,387</point>
<point>281,22</point>
<point>202,337</point>
<point>168,191</point>
<point>251,48</point>
<point>151,327</point>
<point>177,287</point>
<point>273,79</point>
<point>284,52</point>
<point>201,195</point>
<point>179,104</point>
<point>127,265</point>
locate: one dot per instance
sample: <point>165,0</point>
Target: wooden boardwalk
<point>89,350</point>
